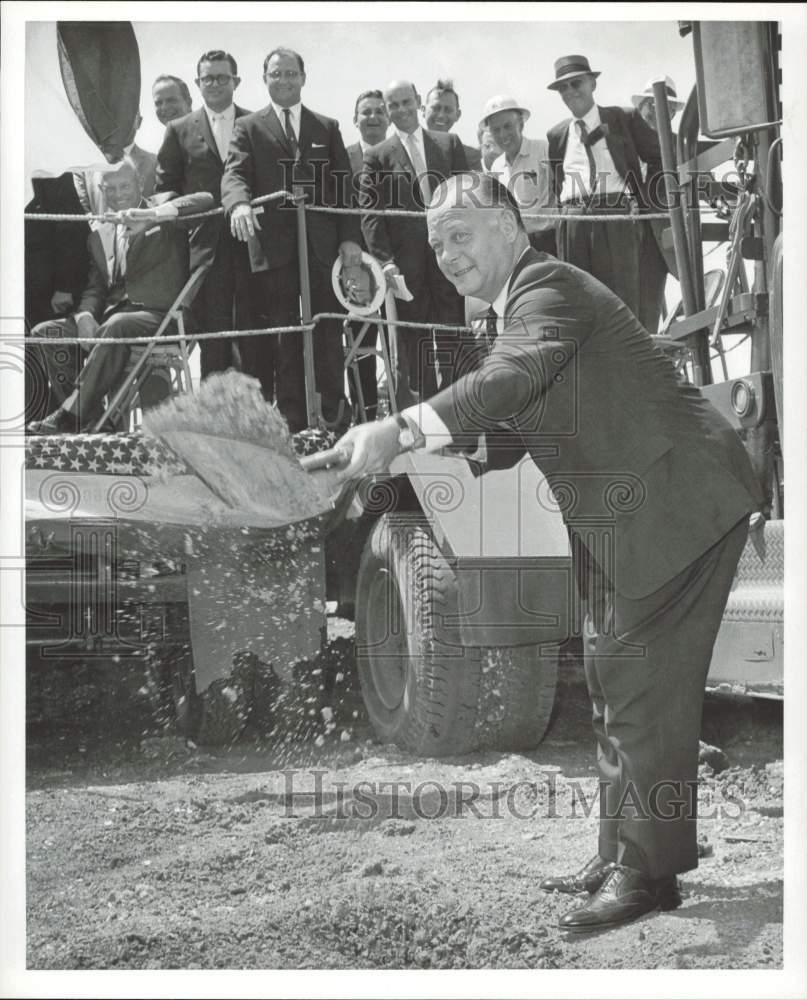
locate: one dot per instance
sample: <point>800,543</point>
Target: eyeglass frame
<point>282,74</point>
<point>220,79</point>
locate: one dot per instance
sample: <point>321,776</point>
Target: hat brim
<point>570,76</point>
<point>484,121</point>
<point>673,102</point>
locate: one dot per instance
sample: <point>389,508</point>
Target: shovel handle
<point>324,459</point>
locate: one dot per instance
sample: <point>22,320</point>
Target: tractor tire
<point>430,696</point>
<point>218,715</point>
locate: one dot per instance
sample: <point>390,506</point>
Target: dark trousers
<point>105,365</point>
<point>421,354</point>
<point>610,251</point>
<point>654,271</point>
<point>646,662</point>
<point>223,303</point>
<point>277,360</point>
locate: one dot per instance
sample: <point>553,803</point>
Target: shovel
<point>256,478</point>
<point>241,449</point>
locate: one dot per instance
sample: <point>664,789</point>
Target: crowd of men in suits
<point>602,160</point>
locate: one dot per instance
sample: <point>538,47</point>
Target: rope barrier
<point>90,217</point>
<point>387,212</point>
<point>167,338</point>
<point>230,334</point>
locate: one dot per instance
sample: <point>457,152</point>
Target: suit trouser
<point>223,303</point>
<point>277,359</point>
<point>104,366</point>
<point>646,662</point>
<point>419,356</point>
<point>653,281</point>
<point>610,251</point>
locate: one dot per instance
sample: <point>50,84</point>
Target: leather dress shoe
<point>588,879</point>
<point>624,895</point>
<point>58,422</point>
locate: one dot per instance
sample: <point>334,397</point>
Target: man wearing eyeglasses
<point>286,145</point>
<point>191,159</point>
<point>595,160</point>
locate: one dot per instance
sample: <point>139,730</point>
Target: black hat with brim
<point>568,67</point>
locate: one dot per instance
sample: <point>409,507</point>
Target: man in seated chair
<point>138,265</point>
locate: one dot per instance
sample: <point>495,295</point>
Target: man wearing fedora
<point>595,160</point>
<point>523,167</point>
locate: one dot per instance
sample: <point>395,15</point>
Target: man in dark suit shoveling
<point>660,490</point>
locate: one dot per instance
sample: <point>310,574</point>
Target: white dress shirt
<point>418,153</point>
<point>221,125</point>
<point>527,179</point>
<point>576,165</point>
<point>294,116</point>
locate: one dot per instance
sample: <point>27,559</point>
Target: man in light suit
<point>275,149</point>
<point>595,159</point>
<point>191,159</point>
<point>138,266</point>
<point>658,490</point>
<point>441,112</point>
<point>401,173</point>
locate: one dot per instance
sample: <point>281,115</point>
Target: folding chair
<point>119,405</point>
<point>356,350</point>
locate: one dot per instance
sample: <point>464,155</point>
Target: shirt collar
<point>417,135</point>
<point>523,149</point>
<point>295,112</point>
<point>228,114</point>
<point>591,119</point>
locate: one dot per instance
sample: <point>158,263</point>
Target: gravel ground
<point>315,847</point>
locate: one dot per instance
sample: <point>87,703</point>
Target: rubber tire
<point>433,697</point>
<point>218,715</point>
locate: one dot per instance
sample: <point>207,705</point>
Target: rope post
<point>312,403</point>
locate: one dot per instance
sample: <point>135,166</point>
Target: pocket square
<point>318,145</point>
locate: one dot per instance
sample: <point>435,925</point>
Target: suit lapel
<point>433,156</point>
<point>401,156</point>
<point>203,128</point>
<point>615,141</point>
<point>277,130</point>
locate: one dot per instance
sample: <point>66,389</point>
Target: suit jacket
<point>388,181</point>
<point>261,162</point>
<point>629,140</point>
<point>356,156</point>
<point>189,161</point>
<point>156,261</point>
<point>629,453</point>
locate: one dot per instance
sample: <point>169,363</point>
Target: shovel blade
<point>251,477</point>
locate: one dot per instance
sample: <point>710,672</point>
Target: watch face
<point>406,439</point>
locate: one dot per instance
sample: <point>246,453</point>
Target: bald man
<point>401,173</point>
<point>662,491</point>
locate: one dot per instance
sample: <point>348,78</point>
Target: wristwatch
<point>409,437</point>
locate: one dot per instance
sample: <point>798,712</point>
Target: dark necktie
<point>290,133</point>
<point>491,327</point>
<point>592,166</point>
